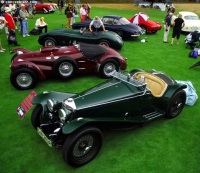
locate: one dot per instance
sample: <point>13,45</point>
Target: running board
<point>152,115</point>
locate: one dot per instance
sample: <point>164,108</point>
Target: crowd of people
<point>16,16</point>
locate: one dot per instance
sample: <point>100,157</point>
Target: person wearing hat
<point>10,27</point>
<point>2,25</point>
<point>24,17</point>
<point>96,25</point>
<point>41,24</point>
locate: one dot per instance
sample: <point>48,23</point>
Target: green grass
<point>164,146</point>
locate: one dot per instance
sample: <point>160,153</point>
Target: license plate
<point>40,132</point>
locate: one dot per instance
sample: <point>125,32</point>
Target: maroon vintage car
<point>43,7</point>
<point>27,67</point>
<point>148,26</point>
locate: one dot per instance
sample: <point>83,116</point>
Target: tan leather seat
<point>156,85</point>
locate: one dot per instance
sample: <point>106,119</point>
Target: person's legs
<point>24,28</point>
<point>178,37</point>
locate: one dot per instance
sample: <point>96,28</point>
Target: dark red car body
<point>43,7</point>
<point>55,61</point>
<point>148,26</point>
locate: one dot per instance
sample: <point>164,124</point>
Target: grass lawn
<point>164,146</point>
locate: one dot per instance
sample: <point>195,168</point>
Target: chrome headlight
<point>64,114</point>
<point>51,104</point>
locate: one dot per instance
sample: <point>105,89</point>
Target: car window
<point>191,17</point>
<point>108,21</point>
<point>116,22</point>
<point>123,21</point>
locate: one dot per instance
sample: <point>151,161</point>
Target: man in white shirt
<point>41,24</point>
<point>96,25</point>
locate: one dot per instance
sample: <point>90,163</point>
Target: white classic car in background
<point>192,22</point>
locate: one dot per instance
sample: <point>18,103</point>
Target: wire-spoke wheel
<point>82,146</point>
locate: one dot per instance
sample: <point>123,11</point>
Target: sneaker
<point>27,35</point>
<point>24,35</point>
<point>1,50</point>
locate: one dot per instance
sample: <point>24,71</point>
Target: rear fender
<point>170,91</point>
<point>30,65</point>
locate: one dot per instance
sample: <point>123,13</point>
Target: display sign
<point>26,105</point>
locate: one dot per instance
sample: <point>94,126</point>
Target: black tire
<point>144,29</point>
<point>36,115</point>
<point>23,78</point>
<point>82,146</point>
<point>107,67</point>
<point>64,68</point>
<point>49,41</point>
<point>176,104</point>
<point>104,42</point>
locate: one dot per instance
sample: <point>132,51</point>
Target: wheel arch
<point>79,123</point>
<point>65,58</point>
<point>30,65</point>
<point>49,37</point>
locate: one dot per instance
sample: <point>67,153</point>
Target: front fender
<point>20,49</point>
<point>43,97</point>
<point>30,65</point>
<point>75,125</point>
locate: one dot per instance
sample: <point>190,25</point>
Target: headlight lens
<point>51,104</point>
<point>64,114</point>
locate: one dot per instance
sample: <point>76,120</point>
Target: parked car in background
<point>65,37</point>
<point>74,122</point>
<point>44,7</point>
<point>117,24</point>
<point>28,67</point>
<point>192,22</point>
<point>148,26</point>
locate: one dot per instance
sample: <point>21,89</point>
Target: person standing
<point>69,14</point>
<point>2,25</point>
<point>178,24</point>
<point>96,25</point>
<point>30,9</point>
<point>87,9</point>
<point>24,17</point>
<point>10,25</point>
<point>60,5</point>
<point>167,27</point>
<point>74,15</point>
<point>83,13</point>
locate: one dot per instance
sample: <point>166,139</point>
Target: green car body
<point>74,121</point>
<point>65,37</point>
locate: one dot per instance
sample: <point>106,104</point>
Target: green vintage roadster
<point>73,122</point>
